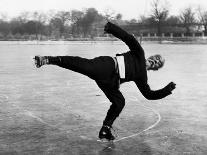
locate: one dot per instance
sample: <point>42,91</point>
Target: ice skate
<point>40,61</point>
<point>105,134</point>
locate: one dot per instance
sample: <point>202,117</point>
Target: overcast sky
<point>128,8</point>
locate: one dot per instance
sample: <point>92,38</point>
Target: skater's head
<point>155,62</point>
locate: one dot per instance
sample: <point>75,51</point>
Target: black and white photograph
<point>103,77</point>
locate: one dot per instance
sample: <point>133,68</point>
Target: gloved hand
<point>107,27</point>
<point>171,86</point>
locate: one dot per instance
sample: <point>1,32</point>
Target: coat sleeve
<point>152,94</point>
<point>121,34</point>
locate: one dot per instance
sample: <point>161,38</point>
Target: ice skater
<point>109,72</point>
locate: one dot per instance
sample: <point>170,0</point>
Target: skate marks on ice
<point>110,146</point>
<point>3,98</point>
<point>132,98</point>
<point>99,148</point>
<point>148,128</point>
<point>28,113</point>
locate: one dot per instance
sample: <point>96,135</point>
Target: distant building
<point>166,31</point>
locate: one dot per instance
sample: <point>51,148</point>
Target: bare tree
<point>3,17</point>
<point>202,17</point>
<point>24,16</point>
<point>133,21</point>
<point>65,17</point>
<point>76,17</point>
<point>159,14</point>
<point>187,18</point>
<point>87,21</point>
<point>40,19</point>
<point>109,14</point>
<point>118,16</point>
<point>173,20</point>
<point>60,22</point>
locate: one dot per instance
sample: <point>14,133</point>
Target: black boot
<point>41,60</point>
<point>105,133</point>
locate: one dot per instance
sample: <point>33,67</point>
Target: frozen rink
<point>56,111</point>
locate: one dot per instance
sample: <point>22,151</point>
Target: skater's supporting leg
<point>118,102</point>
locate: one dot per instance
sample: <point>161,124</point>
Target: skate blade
<point>104,140</point>
<point>107,144</point>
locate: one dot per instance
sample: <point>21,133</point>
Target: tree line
<point>89,22</point>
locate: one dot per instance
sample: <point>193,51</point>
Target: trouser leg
<point>100,68</point>
<point>118,103</point>
<point>77,64</point>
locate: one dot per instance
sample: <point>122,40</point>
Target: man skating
<point>110,72</point>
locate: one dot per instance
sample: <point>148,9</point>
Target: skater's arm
<point>155,94</point>
<point>119,33</point>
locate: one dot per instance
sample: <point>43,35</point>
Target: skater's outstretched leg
<point>103,71</point>
<point>99,68</point>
